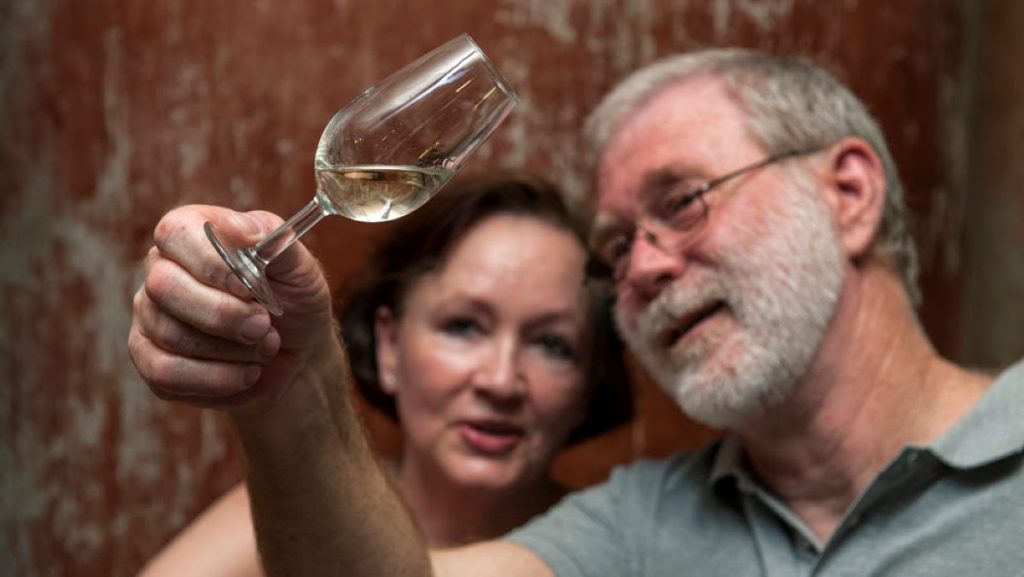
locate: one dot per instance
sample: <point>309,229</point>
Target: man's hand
<point>198,336</point>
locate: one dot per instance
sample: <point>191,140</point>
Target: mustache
<point>676,303</point>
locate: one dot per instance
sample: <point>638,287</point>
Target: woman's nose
<point>499,374</point>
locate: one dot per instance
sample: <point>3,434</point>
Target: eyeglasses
<point>671,220</point>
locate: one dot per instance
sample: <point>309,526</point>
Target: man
<point>750,216</point>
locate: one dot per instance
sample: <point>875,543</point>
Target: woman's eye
<point>556,347</point>
<point>462,327</point>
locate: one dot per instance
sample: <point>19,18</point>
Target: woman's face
<point>484,362</point>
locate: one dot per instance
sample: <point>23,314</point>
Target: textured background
<point>114,111</point>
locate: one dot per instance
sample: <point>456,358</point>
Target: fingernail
<point>245,223</point>
<point>269,345</point>
<point>255,327</point>
<point>252,374</point>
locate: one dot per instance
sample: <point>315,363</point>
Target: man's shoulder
<point>1013,373</point>
<point>613,528</point>
<point>683,469</point>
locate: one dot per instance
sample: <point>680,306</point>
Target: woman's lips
<point>490,437</point>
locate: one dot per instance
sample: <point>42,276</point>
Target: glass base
<point>247,267</point>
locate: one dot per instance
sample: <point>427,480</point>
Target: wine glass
<point>388,151</point>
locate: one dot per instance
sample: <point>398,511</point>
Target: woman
<point>479,335</point>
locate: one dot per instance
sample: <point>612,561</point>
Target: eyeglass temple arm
<point>770,160</point>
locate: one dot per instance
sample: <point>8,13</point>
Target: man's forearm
<point>321,505</point>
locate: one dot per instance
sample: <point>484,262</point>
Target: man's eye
<point>616,249</point>
<point>680,200</point>
<point>683,207</point>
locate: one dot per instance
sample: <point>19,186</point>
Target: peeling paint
<point>110,200</point>
<point>553,16</point>
<point>111,116</point>
<point>764,14</point>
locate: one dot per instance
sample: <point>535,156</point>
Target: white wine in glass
<point>375,193</point>
<point>388,151</point>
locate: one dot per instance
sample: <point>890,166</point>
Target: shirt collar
<point>728,461</point>
<point>993,429</point>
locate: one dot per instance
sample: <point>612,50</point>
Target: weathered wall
<point>993,271</point>
<point>113,111</point>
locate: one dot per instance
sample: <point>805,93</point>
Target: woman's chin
<point>488,475</point>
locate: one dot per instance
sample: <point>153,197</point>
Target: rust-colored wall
<point>114,111</point>
<point>993,271</point>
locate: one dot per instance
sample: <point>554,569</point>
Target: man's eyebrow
<point>657,181</point>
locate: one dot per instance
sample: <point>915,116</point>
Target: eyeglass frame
<point>598,268</point>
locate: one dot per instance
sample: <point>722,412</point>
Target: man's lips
<point>490,436</point>
<point>687,323</point>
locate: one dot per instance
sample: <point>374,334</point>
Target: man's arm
<point>320,503</point>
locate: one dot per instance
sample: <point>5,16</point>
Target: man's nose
<point>651,267</point>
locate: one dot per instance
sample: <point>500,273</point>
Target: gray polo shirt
<point>954,508</point>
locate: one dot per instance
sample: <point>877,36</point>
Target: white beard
<point>781,293</point>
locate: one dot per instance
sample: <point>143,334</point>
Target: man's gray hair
<point>789,104</point>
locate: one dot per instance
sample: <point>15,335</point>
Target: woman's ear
<point>855,179</point>
<point>385,331</point>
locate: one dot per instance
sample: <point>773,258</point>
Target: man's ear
<point>856,193</point>
<point>385,331</point>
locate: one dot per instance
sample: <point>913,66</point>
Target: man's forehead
<point>683,128</point>
<point>696,109</point>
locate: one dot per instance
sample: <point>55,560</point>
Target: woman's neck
<point>450,515</point>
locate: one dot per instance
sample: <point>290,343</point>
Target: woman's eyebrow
<point>557,318</point>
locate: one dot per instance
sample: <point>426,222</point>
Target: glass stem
<point>278,241</point>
